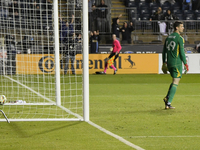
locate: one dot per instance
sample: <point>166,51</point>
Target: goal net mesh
<point>27,60</point>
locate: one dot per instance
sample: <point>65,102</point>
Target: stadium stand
<point>17,16</point>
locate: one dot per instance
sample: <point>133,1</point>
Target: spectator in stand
<point>37,17</point>
<point>49,9</point>
<point>4,12</point>
<point>32,8</point>
<point>157,16</point>
<point>16,17</point>
<point>115,27</point>
<point>5,3</point>
<point>25,44</point>
<point>78,4</point>
<point>79,43</point>
<point>66,32</point>
<point>70,54</point>
<point>187,4</point>
<point>102,17</point>
<point>11,54</point>
<point>67,29</point>
<point>94,42</point>
<point>16,6</point>
<point>94,18</point>
<point>169,16</point>
<point>79,38</point>
<point>47,14</point>
<point>126,32</point>
<point>5,9</point>
<point>90,10</point>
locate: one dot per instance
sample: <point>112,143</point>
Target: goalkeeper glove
<point>186,67</point>
<point>164,68</point>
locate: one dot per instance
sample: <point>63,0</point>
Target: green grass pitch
<point>130,106</point>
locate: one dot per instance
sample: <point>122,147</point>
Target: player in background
<point>173,56</point>
<point>116,47</point>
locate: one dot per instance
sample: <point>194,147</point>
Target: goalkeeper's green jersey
<point>173,50</point>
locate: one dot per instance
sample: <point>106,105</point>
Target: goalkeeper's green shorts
<point>175,72</point>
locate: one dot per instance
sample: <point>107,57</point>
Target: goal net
<point>41,68</point>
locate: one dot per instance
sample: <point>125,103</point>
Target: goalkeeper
<point>116,47</point>
<point>173,56</point>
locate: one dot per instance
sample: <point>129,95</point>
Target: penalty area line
<point>121,139</point>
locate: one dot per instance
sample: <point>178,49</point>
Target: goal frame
<point>85,85</point>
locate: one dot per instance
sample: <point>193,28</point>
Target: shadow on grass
<point>158,112</point>
<point>46,128</point>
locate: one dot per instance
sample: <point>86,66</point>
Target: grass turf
<point>130,106</point>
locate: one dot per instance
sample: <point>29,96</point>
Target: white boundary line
<point>136,95</point>
<point>140,83</point>
<point>178,136</point>
<point>121,139</point>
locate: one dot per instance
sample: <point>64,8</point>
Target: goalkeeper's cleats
<point>167,105</point>
<point>165,99</point>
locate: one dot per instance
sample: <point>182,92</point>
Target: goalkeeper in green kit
<point>173,56</point>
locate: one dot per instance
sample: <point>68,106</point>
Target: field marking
<point>138,83</point>
<point>115,136</point>
<point>135,95</point>
<point>91,123</point>
<point>178,136</point>
<point>106,131</point>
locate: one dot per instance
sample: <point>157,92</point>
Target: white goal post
<point>44,74</point>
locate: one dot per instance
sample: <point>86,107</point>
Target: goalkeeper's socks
<point>172,92</point>
<point>169,89</point>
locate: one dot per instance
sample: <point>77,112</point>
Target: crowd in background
<point>37,14</point>
<point>162,14</point>
<point>184,4</point>
<point>26,13</point>
<point>98,22</point>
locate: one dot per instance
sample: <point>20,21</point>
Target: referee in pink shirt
<point>116,49</point>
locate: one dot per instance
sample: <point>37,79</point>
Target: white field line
<point>136,95</point>
<point>177,136</point>
<point>44,97</point>
<point>91,123</point>
<point>138,83</point>
<point>121,139</point>
<point>127,142</point>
